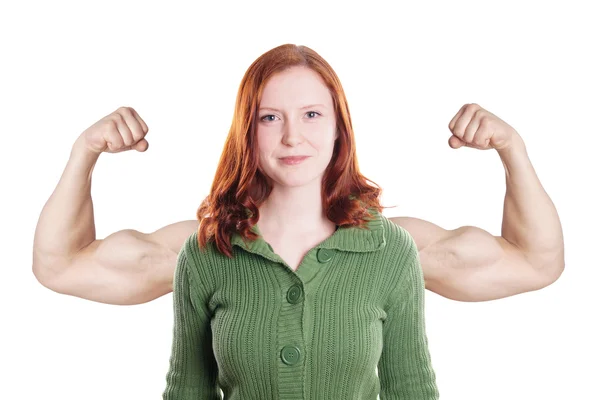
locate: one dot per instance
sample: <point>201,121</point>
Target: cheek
<point>325,142</point>
<point>264,143</point>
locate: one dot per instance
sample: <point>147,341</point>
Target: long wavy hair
<point>240,187</point>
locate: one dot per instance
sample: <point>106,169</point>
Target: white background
<point>406,71</point>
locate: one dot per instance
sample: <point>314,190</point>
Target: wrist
<point>514,156</point>
<point>515,146</point>
<point>82,161</point>
<point>81,152</point>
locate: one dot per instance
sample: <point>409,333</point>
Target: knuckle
<point>117,117</point>
<point>472,107</point>
<point>137,135</point>
<point>111,125</point>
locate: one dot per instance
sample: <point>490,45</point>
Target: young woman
<point>295,285</point>
<point>131,267</point>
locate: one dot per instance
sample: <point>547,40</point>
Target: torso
<point>293,250</point>
<point>292,255</point>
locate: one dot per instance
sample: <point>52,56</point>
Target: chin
<point>295,181</point>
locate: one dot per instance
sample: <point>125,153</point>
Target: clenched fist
<point>473,126</point>
<point>119,131</point>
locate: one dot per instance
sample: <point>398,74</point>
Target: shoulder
<point>191,248</point>
<point>403,269</point>
<point>198,260</point>
<point>187,255</point>
<point>424,233</point>
<point>403,245</point>
<point>398,238</point>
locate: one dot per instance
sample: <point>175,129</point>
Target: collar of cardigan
<point>352,238</point>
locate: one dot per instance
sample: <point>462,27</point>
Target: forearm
<point>530,220</point>
<point>66,223</point>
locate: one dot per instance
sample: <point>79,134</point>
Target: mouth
<point>293,160</point>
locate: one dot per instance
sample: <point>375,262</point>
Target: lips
<point>294,158</point>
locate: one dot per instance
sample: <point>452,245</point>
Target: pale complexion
<point>466,264</point>
<point>296,117</point>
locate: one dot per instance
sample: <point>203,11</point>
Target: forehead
<point>296,86</point>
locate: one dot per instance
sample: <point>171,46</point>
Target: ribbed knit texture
<point>355,303</point>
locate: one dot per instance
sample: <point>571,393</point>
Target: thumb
<point>141,146</point>
<point>455,142</point>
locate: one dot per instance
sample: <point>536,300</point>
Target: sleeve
<point>193,370</point>
<point>405,369</point>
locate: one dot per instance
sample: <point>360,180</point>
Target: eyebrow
<point>301,108</point>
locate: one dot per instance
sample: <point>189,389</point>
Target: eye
<point>270,115</point>
<point>264,117</point>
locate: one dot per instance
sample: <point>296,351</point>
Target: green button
<point>294,294</point>
<point>290,355</point>
<point>324,255</point>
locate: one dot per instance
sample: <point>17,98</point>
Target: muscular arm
<point>470,264</point>
<point>127,267</point>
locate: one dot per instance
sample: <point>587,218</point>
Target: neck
<point>294,211</point>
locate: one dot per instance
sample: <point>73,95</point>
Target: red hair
<point>239,186</point>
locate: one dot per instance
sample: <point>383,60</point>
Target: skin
<point>296,117</point>
<point>464,264</point>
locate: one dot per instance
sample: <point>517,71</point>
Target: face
<point>295,118</point>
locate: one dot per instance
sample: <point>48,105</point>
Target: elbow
<point>45,268</point>
<point>43,275</point>
<point>550,270</point>
<point>553,272</point>
<point>48,275</point>
<point>558,267</point>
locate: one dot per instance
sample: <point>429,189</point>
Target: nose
<point>292,134</point>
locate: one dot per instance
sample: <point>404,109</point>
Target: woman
<point>295,285</point>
